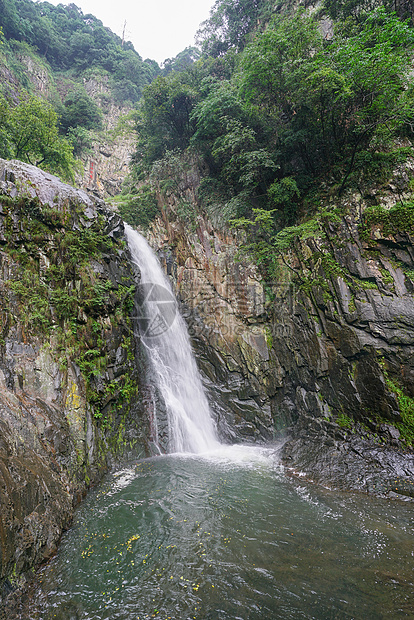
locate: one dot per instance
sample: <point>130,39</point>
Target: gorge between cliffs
<point>244,448</point>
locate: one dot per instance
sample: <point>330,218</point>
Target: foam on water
<point>244,455</point>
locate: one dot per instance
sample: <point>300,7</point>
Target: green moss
<point>140,207</point>
<point>269,337</point>
<point>377,167</point>
<point>286,237</point>
<point>405,405</point>
<point>399,218</point>
<point>58,291</point>
<point>368,284</point>
<point>409,273</point>
<point>126,295</point>
<point>331,266</point>
<point>46,290</point>
<point>386,276</point>
<point>344,421</point>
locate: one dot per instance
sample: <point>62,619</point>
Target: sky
<point>158,29</point>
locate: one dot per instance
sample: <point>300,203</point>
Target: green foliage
<point>269,337</point>
<point>33,294</point>
<point>182,61</point>
<point>164,119</point>
<point>278,61</point>
<point>273,108</point>
<point>233,149</point>
<point>344,421</point>
<point>170,172</point>
<point>284,239</point>
<point>30,132</point>
<point>65,298</point>
<point>242,163</point>
<point>139,208</point>
<point>80,139</point>
<point>356,10</point>
<point>230,24</point>
<point>399,218</point>
<point>267,246</point>
<point>49,297</point>
<point>69,39</point>
<point>329,101</point>
<point>284,194</point>
<point>220,104</point>
<point>406,407</point>
<point>377,166</point>
<point>186,212</point>
<point>11,53</point>
<point>79,110</point>
<point>6,145</point>
<point>258,240</point>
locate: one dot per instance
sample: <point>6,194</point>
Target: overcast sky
<point>159,29</point>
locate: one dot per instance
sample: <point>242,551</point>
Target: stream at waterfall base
<point>228,535</point>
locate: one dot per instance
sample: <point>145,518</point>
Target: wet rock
<point>320,361</point>
<point>54,393</point>
<point>391,431</point>
<point>349,359</point>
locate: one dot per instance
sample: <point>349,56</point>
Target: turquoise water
<point>228,536</point>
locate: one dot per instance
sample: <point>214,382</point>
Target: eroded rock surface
<point>348,360</point>
<point>69,359</point>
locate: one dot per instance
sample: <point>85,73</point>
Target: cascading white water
<point>164,334</point>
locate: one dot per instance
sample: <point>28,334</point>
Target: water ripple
<point>223,536</point>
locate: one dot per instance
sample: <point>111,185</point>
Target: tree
<point>211,114</point>
<point>6,147</point>
<point>80,110</point>
<point>277,62</point>
<point>329,100</point>
<point>69,39</point>
<point>239,162</point>
<point>10,20</point>
<point>35,138</point>
<point>80,139</point>
<point>377,95</point>
<point>164,117</point>
<point>229,25</point>
<point>356,10</point>
<point>182,61</point>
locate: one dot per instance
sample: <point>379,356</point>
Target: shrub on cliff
<point>138,208</point>
<point>80,110</point>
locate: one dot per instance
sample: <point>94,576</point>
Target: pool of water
<point>228,536</point>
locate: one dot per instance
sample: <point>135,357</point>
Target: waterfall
<point>174,370</point>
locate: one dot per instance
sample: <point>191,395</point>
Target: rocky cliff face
<point>27,71</point>
<point>70,395</point>
<point>106,162</point>
<point>106,167</point>
<point>348,357</point>
<point>325,357</point>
